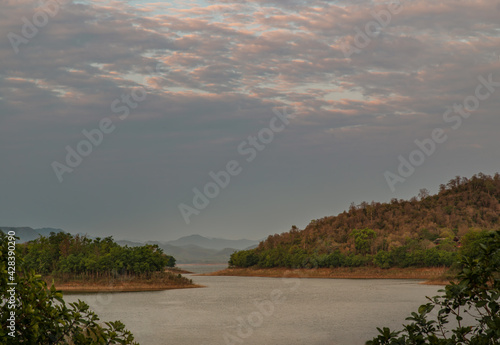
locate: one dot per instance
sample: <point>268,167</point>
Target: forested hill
<point>423,225</point>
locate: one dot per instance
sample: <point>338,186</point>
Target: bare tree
<point>423,193</point>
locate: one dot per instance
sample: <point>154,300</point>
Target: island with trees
<point>31,312</point>
<point>80,264</point>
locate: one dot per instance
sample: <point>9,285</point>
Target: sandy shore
<point>431,275</point>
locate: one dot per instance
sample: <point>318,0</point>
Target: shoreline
<point>81,288</point>
<point>178,270</point>
<point>167,280</point>
<point>430,275</point>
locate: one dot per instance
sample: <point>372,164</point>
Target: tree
<point>477,294</point>
<point>423,193</point>
<point>243,258</point>
<point>383,259</point>
<point>34,314</point>
<point>363,239</point>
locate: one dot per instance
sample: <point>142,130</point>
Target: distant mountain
<point>198,249</point>
<point>252,247</point>
<point>196,254</point>
<point>188,249</point>
<point>129,243</point>
<point>188,254</point>
<point>26,234</point>
<point>46,231</point>
<point>212,243</point>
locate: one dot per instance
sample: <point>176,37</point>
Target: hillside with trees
<point>425,231</point>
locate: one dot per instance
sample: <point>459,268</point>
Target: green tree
<point>383,259</point>
<point>41,315</point>
<point>363,239</point>
<point>477,294</point>
<point>243,258</point>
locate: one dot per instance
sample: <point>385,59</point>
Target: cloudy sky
<point>174,90</point>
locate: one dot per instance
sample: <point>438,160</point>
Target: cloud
<point>281,47</point>
<point>214,71</point>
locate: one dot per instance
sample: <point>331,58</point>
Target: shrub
<point>41,314</point>
<point>383,259</point>
<point>477,294</point>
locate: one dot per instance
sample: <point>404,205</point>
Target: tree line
<point>65,254</point>
<point>413,254</point>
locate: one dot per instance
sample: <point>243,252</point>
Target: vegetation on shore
<point>76,263</point>
<point>428,231</point>
<point>154,281</point>
<point>177,270</point>
<point>476,295</point>
<point>32,313</point>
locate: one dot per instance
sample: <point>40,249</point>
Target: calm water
<point>263,311</point>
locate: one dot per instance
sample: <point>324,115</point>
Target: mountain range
<point>187,249</point>
<point>27,234</point>
<point>199,249</point>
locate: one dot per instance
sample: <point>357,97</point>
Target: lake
<point>253,310</point>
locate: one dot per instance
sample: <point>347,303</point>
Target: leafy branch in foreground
<point>41,315</point>
<point>471,306</point>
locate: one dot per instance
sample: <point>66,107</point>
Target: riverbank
<point>154,282</point>
<point>431,275</point>
<point>75,287</point>
<point>177,270</point>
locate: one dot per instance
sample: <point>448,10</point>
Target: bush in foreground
<point>31,313</point>
<point>476,294</point>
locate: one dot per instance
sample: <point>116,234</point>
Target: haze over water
<point>308,311</point>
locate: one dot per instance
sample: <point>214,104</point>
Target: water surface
<point>254,310</point>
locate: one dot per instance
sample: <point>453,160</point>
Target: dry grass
<point>157,281</point>
<point>177,270</point>
<point>432,275</point>
<point>81,288</point>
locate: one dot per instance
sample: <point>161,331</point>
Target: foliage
<point>297,258</point>
<point>63,253</point>
<point>42,316</point>
<point>363,239</point>
<point>476,294</point>
<point>471,243</point>
<point>243,258</point>
<point>383,259</point>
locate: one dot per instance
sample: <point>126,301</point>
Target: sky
<point>153,120</point>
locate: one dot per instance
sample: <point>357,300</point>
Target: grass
<point>147,282</point>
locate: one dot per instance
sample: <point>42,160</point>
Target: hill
<point>46,231</point>
<point>27,234</point>
<point>195,254</point>
<point>424,231</point>
<point>199,249</point>
<point>212,243</point>
<point>188,249</point>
